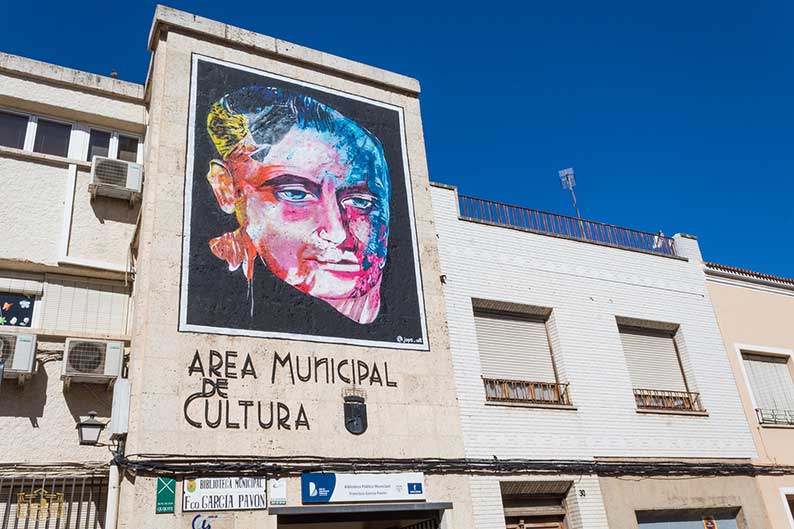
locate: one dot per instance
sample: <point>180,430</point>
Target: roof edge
<point>26,67</point>
<point>165,16</point>
<point>749,275</point>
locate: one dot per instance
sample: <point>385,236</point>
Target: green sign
<point>166,493</point>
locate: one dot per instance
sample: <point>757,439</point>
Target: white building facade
<point>603,383</point>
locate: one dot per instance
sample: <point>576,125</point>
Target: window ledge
<point>772,425</point>
<point>673,412</point>
<point>509,404</point>
<point>11,152</point>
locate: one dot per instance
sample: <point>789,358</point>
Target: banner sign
<point>166,493</point>
<point>224,494</point>
<point>331,488</point>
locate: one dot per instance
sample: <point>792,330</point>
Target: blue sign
<point>329,488</point>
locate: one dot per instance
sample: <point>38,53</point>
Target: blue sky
<point>675,115</point>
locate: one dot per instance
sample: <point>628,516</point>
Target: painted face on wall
<point>311,195</point>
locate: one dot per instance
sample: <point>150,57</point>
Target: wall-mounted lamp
<point>90,429</point>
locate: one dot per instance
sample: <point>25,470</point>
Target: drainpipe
<point>114,489</point>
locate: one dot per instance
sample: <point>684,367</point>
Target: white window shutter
<point>513,347</point>
<point>652,359</point>
<point>770,381</point>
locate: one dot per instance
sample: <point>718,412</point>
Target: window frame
<point>33,127</point>
<point>785,494</point>
<point>78,138</point>
<point>760,350</point>
<point>27,137</point>
<point>113,147</point>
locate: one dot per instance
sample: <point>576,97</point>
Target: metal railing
<point>654,399</point>
<point>775,416</point>
<point>481,210</point>
<point>39,502</point>
<point>502,390</point>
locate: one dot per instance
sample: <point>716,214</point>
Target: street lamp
<point>90,429</point>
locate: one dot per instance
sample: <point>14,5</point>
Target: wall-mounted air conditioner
<point>19,355</point>
<point>91,361</point>
<point>115,178</point>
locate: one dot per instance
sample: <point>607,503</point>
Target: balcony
<point>654,399</point>
<point>479,210</point>
<point>775,417</point>
<point>526,392</point>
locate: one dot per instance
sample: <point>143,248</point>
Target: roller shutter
<point>652,359</point>
<point>84,305</point>
<point>513,347</point>
<point>770,380</point>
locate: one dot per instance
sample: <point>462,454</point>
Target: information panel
<point>330,488</point>
<point>224,494</point>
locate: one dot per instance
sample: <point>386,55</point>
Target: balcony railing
<point>774,416</point>
<point>563,226</point>
<point>502,390</point>
<point>654,399</point>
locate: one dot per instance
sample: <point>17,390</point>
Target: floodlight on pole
<point>568,181</point>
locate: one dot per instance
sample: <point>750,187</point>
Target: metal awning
<point>360,508</point>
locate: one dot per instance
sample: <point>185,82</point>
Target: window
<point>128,149</point>
<point>772,387</point>
<point>98,144</point>
<point>83,305</point>
<point>722,518</point>
<point>12,130</point>
<point>52,138</point>
<point>655,369</point>
<point>516,358</point>
<point>16,309</point>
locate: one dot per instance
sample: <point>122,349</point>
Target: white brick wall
<point>587,286</point>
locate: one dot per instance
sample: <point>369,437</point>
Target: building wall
<point>587,286</point>
<point>51,231</point>
<point>417,417</point>
<point>623,497</point>
<point>757,317</point>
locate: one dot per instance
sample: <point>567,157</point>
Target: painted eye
<point>359,202</point>
<point>294,195</point>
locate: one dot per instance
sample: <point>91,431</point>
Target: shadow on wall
<point>83,398</point>
<point>27,400</point>
<point>115,210</point>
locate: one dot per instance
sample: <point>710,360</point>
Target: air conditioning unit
<point>115,178</point>
<point>19,355</point>
<point>92,361</point>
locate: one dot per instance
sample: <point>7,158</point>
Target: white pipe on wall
<point>112,511</point>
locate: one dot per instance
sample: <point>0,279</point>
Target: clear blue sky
<point>676,115</point>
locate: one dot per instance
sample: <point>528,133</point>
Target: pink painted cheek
<point>360,228</point>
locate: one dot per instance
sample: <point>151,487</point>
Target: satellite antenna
<point>568,181</point>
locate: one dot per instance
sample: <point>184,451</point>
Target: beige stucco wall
<point>38,420</point>
<point>53,230</point>
<point>418,418</point>
<point>758,317</point>
<point>624,496</point>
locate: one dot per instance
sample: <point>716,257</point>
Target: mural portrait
<point>298,213</point>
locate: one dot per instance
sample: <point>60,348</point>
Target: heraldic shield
<point>355,414</point>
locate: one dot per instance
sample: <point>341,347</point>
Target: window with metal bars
<point>44,502</point>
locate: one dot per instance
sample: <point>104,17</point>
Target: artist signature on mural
<point>403,339</point>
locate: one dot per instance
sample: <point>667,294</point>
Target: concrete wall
<point>756,317</point>
<point>416,418</point>
<point>623,497</point>
<point>53,232</point>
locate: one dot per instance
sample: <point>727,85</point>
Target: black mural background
<point>218,298</point>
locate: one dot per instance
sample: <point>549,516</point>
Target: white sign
<point>224,494</point>
<point>329,488</point>
<point>277,491</point>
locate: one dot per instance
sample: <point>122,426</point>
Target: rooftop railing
<point>654,399</point>
<point>481,210</point>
